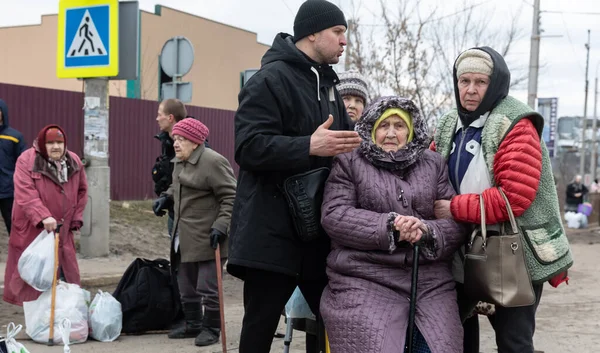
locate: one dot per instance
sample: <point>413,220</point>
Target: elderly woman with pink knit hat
<point>202,192</point>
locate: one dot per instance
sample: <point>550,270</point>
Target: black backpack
<point>148,295</point>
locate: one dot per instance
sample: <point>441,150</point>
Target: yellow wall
<point>221,53</point>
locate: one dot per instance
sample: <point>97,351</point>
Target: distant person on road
<point>50,189</point>
<point>575,193</point>
<point>595,187</point>
<point>202,194</point>
<point>12,144</point>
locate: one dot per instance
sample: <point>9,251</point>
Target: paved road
<point>567,320</point>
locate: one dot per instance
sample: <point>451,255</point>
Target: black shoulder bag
<point>304,194</point>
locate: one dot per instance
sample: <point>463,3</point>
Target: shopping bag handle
<point>12,330</point>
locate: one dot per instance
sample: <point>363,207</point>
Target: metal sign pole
<point>95,236</point>
<point>176,59</point>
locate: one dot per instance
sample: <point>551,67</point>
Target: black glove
<point>216,237</point>
<point>159,205</point>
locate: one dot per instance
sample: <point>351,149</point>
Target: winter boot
<point>193,322</point>
<point>212,329</point>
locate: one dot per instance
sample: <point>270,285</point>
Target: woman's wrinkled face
<point>354,106</point>
<point>391,134</point>
<point>55,149</point>
<point>183,147</point>
<point>471,90</point>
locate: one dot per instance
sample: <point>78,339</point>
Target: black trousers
<point>265,296</point>
<point>198,283</point>
<point>6,210</point>
<point>514,327</point>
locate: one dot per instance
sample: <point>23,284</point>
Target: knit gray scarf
<point>404,157</point>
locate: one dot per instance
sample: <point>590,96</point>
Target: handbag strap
<point>483,226</point>
<point>511,216</point>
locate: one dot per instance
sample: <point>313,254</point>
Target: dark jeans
<point>514,328</point>
<point>6,210</point>
<point>198,283</point>
<point>265,296</point>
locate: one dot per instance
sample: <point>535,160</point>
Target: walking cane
<point>221,304</point>
<point>413,298</point>
<point>54,281</point>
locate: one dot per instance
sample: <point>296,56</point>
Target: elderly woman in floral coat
<point>379,199</point>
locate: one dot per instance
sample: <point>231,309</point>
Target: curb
<point>101,281</point>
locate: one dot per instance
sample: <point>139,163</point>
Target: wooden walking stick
<point>54,282</point>
<point>221,304</point>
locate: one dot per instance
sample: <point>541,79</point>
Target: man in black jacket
<point>290,120</point>
<point>170,111</point>
<point>576,191</point>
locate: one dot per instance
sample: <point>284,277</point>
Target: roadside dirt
<point>134,232</point>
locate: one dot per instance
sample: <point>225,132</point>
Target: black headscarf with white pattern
<point>404,157</point>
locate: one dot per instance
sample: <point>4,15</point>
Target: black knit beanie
<point>315,16</point>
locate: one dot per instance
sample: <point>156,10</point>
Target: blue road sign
<point>88,38</point>
<point>88,29</point>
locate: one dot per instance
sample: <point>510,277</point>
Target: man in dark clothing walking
<point>12,144</point>
<point>290,120</point>
<point>170,111</point>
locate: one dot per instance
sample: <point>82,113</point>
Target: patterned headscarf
<point>404,157</point>
<point>53,133</point>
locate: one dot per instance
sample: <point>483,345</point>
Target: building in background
<point>221,53</point>
<point>548,108</point>
<point>568,134</point>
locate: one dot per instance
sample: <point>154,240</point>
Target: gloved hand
<point>76,225</point>
<point>159,205</point>
<point>216,237</point>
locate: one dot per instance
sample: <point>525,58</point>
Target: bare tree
<point>410,53</point>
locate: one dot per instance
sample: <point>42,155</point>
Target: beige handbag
<point>495,270</point>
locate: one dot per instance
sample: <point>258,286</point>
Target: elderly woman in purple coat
<point>378,200</point>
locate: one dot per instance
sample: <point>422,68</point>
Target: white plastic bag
<point>71,303</point>
<point>576,220</point>
<point>105,318</point>
<point>297,307</point>
<point>36,264</point>
<point>12,345</point>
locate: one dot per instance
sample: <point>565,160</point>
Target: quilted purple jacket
<point>365,305</point>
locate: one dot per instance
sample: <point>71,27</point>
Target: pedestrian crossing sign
<point>88,38</point>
